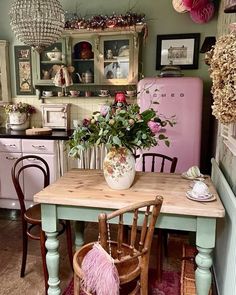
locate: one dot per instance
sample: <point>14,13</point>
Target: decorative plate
<point>205,198</point>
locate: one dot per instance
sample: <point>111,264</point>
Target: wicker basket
<point>188,272</point>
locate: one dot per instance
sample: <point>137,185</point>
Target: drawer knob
<point>11,158</point>
<point>10,145</point>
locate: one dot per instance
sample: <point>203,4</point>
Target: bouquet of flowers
<point>120,127</point>
<point>19,107</point>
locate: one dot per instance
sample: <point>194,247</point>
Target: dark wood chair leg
<point>69,242</point>
<point>159,255</point>
<point>165,242</point>
<point>25,248</point>
<point>43,253</point>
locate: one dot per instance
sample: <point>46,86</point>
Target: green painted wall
<point>160,16</point>
<point>161,19</point>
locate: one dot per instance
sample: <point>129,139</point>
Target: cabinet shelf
<point>83,59</point>
<point>119,70</point>
<point>52,62</point>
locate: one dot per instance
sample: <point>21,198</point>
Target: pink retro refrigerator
<point>182,97</point>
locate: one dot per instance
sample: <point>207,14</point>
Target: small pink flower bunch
<point>154,126</point>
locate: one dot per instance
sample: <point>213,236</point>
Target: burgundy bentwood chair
<point>31,217</point>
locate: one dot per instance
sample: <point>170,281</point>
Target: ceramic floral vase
<point>19,121</point>
<point>119,168</point>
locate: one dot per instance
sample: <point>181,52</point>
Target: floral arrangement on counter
<point>222,61</point>
<point>20,107</point>
<point>73,21</point>
<point>120,126</point>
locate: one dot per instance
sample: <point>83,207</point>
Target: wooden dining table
<point>80,195</point>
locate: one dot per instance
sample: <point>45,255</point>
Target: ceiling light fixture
<point>37,23</point>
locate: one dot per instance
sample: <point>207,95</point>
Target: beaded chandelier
<point>37,23</point>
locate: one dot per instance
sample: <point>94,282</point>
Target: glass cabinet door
<point>82,58</point>
<point>49,62</point>
<point>117,60</point>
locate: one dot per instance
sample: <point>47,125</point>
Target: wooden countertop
<point>88,188</point>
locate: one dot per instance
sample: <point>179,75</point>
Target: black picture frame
<point>178,49</point>
<point>23,70</point>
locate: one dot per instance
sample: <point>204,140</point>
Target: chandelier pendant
<point>37,23</point>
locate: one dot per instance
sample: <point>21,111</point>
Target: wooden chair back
<point>130,258</point>
<point>17,172</point>
<point>142,230</point>
<point>158,161</point>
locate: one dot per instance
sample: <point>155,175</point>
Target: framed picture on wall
<point>23,68</point>
<point>178,49</point>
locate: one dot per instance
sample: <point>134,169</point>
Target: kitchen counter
<point>56,134</point>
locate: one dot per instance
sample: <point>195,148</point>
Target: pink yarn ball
<point>203,14</point>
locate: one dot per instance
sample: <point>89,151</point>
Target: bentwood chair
<point>158,162</point>
<point>155,162</point>
<point>131,260</point>
<point>31,217</point>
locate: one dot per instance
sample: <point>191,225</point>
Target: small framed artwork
<point>178,49</point>
<point>23,67</point>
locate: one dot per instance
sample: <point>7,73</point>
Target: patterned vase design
<point>119,168</point>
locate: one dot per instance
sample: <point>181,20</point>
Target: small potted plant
<point>19,115</point>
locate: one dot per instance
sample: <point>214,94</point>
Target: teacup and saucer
<point>200,192</point>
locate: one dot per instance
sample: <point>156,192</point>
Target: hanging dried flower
<point>223,74</point>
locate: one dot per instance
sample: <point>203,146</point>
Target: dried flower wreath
<point>222,61</point>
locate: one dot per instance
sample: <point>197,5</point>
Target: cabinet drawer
<point>34,146</point>
<point>10,145</point>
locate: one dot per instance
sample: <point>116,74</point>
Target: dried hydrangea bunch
<point>223,73</point>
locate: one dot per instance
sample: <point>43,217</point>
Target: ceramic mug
<point>130,93</point>
<point>74,93</point>
<point>47,93</point>
<point>104,92</point>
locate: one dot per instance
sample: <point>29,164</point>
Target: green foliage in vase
<point>120,127</point>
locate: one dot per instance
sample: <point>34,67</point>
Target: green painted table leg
<point>79,234</point>
<point>52,259</point>
<point>203,274</point>
<point>49,225</point>
<point>205,241</point>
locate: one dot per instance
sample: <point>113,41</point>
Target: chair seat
<point>132,268</point>
<point>33,214</point>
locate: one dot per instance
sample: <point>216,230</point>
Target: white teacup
<point>47,93</point>
<point>104,92</point>
<point>200,189</point>
<point>130,93</point>
<point>74,93</point>
<point>193,172</point>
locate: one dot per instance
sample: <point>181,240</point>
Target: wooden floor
<point>32,283</point>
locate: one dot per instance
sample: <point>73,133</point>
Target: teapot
<point>87,77</point>
<point>54,55</point>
